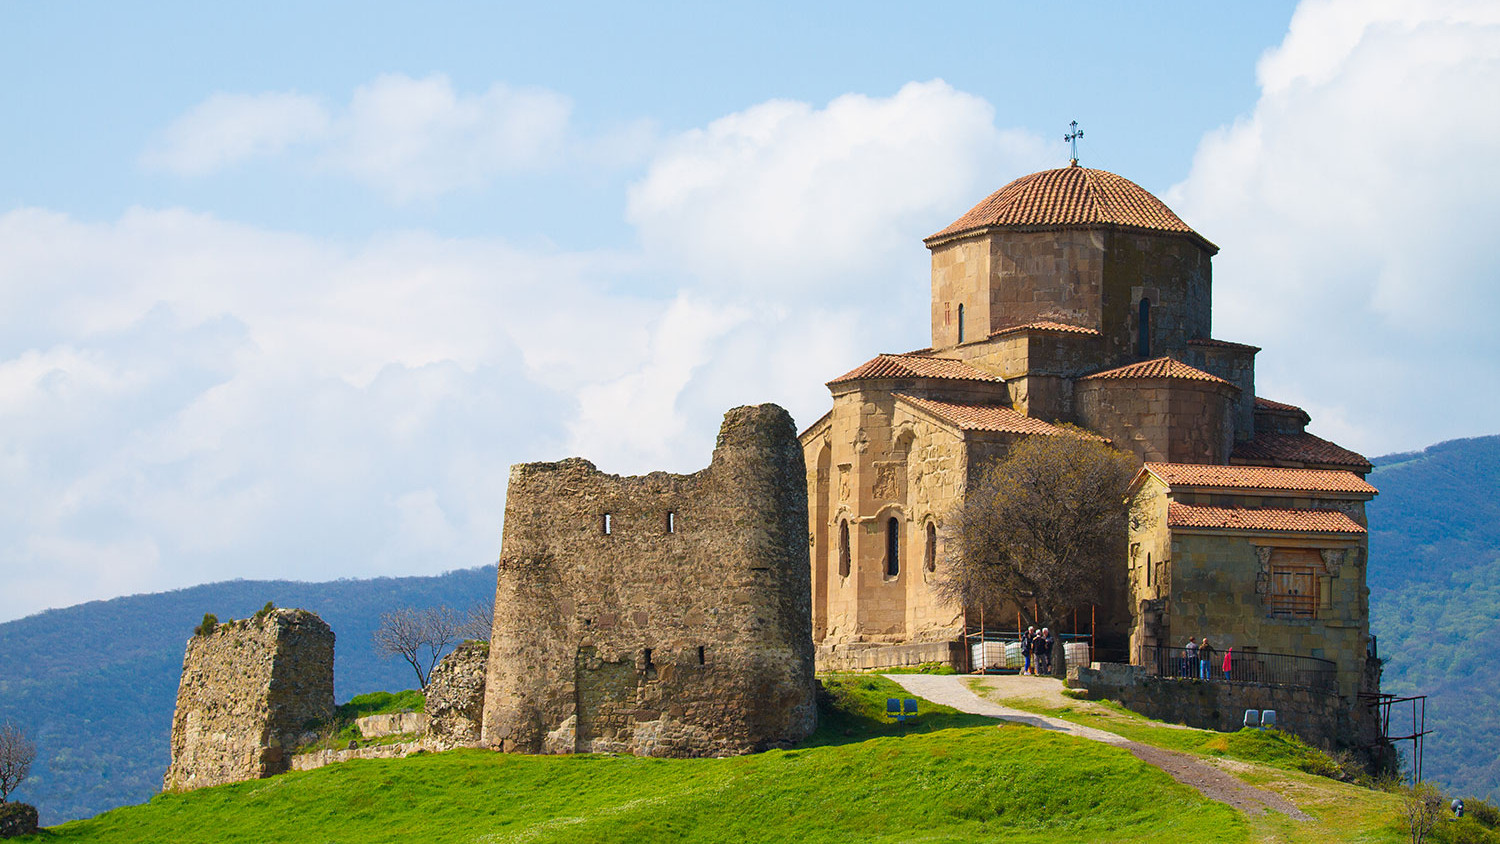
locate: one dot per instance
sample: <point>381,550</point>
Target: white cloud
<point>185,399</point>
<point>1354,207</point>
<point>407,138</point>
<point>226,129</point>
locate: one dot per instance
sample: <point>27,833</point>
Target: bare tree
<point>421,637</point>
<point>1420,810</point>
<point>16,755</point>
<point>479,621</point>
<point>1041,529</point>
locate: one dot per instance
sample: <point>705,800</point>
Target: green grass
<point>944,777</point>
<point>381,703</point>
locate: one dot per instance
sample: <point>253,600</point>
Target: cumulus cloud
<point>408,138</point>
<point>1353,206</point>
<point>184,398</point>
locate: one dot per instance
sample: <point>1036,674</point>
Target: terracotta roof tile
<point>1267,404</point>
<point>991,417</point>
<point>1258,478</point>
<point>1159,368</point>
<point>914,366</point>
<point>1258,518</point>
<point>1071,197</point>
<point>1222,344</point>
<point>1298,448</point>
<point>1055,327</point>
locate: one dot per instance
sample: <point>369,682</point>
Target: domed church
<point>1075,296</point>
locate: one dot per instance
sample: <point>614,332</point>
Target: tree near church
<point>16,755</point>
<point>1041,529</point>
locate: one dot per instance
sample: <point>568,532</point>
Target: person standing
<point>1205,658</point>
<point>1026,639</point>
<point>1046,650</point>
<point>1189,659</point>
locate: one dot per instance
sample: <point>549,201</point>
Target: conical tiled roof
<point>1070,198</point>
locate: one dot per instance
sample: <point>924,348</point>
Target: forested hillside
<point>1435,600</point>
<point>95,684</point>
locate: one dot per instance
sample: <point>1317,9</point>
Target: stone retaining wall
<point>1318,718</point>
<point>390,724</point>
<point>866,657</point>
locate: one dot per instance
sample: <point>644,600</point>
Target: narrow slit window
<point>608,524</point>
<point>844,548</point>
<point>929,557</point>
<point>1143,340</point>
<point>1148,569</point>
<point>671,522</point>
<point>960,323</point>
<point>892,547</point>
<point>702,656</point>
<point>647,654</point>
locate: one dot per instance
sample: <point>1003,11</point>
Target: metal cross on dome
<point>1072,138</point>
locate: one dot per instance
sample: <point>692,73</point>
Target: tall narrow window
<point>607,524</point>
<point>960,323</point>
<point>1143,341</point>
<point>671,522</point>
<point>892,547</point>
<point>1148,569</point>
<point>844,548</point>
<point>929,557</point>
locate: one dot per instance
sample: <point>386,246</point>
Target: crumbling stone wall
<point>249,691</point>
<point>662,615</point>
<point>455,696</point>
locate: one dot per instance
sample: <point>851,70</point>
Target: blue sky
<point>286,290</point>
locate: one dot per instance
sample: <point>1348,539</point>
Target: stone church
<point>1075,296</point>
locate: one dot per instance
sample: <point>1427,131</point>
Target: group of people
<point>1036,649</point>
<point>1197,659</point>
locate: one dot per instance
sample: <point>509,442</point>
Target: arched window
<point>892,546</point>
<point>929,555</point>
<point>960,323</point>
<point>1143,341</point>
<point>844,548</point>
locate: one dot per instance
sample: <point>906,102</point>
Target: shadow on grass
<point>851,708</point>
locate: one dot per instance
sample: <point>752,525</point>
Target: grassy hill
<point>95,684</point>
<point>1434,579</point>
<point>947,777</point>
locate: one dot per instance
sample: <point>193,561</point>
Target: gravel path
<point>950,690</point>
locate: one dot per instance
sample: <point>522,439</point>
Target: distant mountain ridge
<point>1434,579</point>
<point>95,684</point>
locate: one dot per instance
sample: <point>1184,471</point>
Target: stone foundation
<point>865,657</point>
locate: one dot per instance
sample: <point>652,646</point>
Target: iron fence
<point>1245,666</point>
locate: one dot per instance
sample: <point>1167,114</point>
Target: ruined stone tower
<point>249,690</point>
<point>661,615</point>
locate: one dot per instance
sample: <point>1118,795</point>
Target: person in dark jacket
<point>1026,640</point>
<point>1044,650</point>
<point>1205,658</point>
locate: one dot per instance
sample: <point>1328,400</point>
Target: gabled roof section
<point>915,366</point>
<point>1260,519</point>
<point>1159,368</point>
<point>991,417</point>
<point>1269,446</point>
<point>1277,407</point>
<point>1070,198</point>
<point>1223,344</point>
<point>1256,478</point>
<point>1044,326</point>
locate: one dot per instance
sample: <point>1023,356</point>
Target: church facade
<point>1075,296</point>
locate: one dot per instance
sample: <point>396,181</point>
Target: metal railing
<point>1306,672</point>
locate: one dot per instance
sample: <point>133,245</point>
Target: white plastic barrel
<point>987,655</point>
<point>1076,653</point>
<point>1013,656</point>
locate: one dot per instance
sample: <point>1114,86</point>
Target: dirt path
<point>950,690</point>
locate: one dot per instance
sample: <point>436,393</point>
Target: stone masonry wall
<point>249,691</point>
<point>1319,718</point>
<point>455,696</point>
<point>662,615</point>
